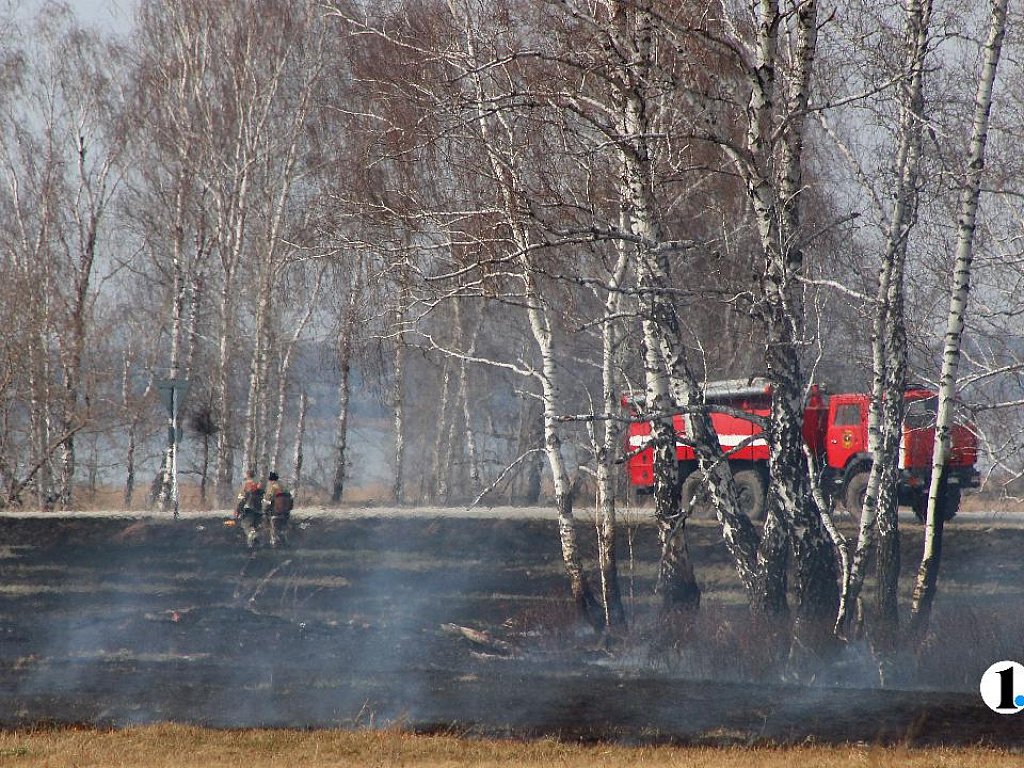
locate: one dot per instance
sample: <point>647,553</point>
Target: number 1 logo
<point>1002,687</point>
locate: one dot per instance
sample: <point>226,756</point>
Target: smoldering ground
<point>457,623</point>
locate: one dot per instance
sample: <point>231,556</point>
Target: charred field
<point>460,625</point>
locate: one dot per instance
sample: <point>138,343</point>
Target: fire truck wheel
<point>949,505</point>
<point>750,490</point>
<point>856,488</point>
<point>693,486</point>
<point>920,506</point>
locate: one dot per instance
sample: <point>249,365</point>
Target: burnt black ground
<point>112,622</point>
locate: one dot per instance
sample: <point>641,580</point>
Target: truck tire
<point>949,504</point>
<point>693,486</point>
<point>920,506</point>
<point>853,500</point>
<point>750,493</point>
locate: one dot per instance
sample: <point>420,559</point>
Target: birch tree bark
<point>665,370</point>
<point>635,86</point>
<point>468,481</point>
<point>31,197</point>
<point>298,454</point>
<point>889,351</point>
<point>771,167</point>
<point>398,491</point>
<point>564,493</point>
<point>442,447</point>
<point>286,77</point>
<point>244,80</point>
<point>345,351</point>
<point>133,419</point>
<point>287,355</point>
<point>169,112</point>
<point>607,445</point>
<point>199,168</point>
<point>926,583</point>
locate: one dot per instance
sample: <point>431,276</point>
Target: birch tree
<point>622,108</point>
<point>925,585</point>
<point>62,142</point>
<point>348,322</point>
<point>231,106</point>
<point>398,384</point>
<point>607,443</point>
<point>878,511</point>
<point>667,376</point>
<point>461,87</point>
<point>287,52</point>
<point>169,82</point>
<point>774,50</point>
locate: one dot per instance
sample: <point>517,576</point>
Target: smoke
<point>115,622</point>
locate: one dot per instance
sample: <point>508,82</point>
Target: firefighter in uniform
<point>277,509</point>
<point>249,508</point>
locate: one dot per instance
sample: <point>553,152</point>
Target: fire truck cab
<point>847,463</point>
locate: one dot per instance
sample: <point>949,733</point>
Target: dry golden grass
<point>165,746</point>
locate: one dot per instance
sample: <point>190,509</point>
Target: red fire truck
<point>835,429</point>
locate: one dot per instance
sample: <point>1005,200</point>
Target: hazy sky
<point>107,14</point>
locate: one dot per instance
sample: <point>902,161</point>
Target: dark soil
<point>362,623</point>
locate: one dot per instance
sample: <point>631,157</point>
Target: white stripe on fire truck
<point>727,441</point>
<point>731,441</point>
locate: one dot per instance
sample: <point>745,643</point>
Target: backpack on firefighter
<point>250,497</point>
<point>248,511</point>
<point>282,503</point>
<point>278,503</point>
<point>252,500</point>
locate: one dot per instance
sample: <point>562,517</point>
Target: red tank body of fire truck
<point>836,431</point>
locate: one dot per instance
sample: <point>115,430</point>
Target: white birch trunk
<point>258,363</point>
<point>472,455</point>
<point>346,342</point>
<point>39,417</point>
<point>664,365</point>
<point>398,413</point>
<point>398,490</point>
<point>889,350</point>
<point>223,376</point>
<point>607,446</point>
<point>926,583</point>
<point>178,286</point>
<point>132,421</point>
<point>772,170</point>
<point>300,436</point>
<point>550,381</point>
<point>503,164</point>
<point>468,436</point>
<point>233,212</point>
<point>442,436</point>
<point>284,370</point>
<point>268,425</point>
